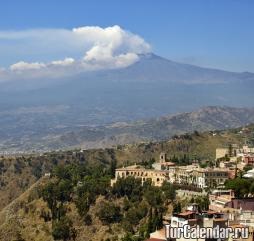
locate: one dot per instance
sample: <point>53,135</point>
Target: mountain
<point>155,82</point>
<point>88,137</point>
<point>152,87</point>
<point>205,119</point>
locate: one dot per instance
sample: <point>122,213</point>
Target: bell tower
<point>163,157</point>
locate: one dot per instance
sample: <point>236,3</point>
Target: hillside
<point>14,222</point>
<point>204,119</point>
<point>22,219</point>
<point>26,215</point>
<point>120,133</point>
<point>20,172</point>
<point>77,203</point>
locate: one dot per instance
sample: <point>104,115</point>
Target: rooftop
<point>186,213</point>
<point>139,167</point>
<point>168,163</point>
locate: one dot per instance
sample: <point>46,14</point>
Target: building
<point>243,204</point>
<point>236,151</point>
<point>200,177</point>
<point>157,177</point>
<point>237,211</point>
<point>163,157</point>
<point>164,170</point>
<point>249,174</point>
<point>210,177</point>
<point>228,164</point>
<point>219,197</point>
<point>193,216</point>
<point>221,152</point>
<point>248,159</point>
<point>47,174</point>
<point>163,163</point>
<point>158,235</point>
<point>246,149</point>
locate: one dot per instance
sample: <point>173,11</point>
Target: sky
<point>48,34</point>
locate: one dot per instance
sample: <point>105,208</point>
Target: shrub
<point>109,213</point>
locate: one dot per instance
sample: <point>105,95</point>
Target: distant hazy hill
<point>152,87</point>
<point>204,119</point>
<point>87,137</point>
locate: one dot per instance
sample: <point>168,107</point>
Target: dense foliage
<point>138,209</point>
<point>241,186</point>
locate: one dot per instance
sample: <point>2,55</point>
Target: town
<point>224,209</point>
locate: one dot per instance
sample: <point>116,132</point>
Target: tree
<point>62,172</point>
<point>82,204</point>
<point>132,216</point>
<point>63,190</point>
<point>168,191</point>
<point>127,237</point>
<point>48,195</point>
<point>62,229</point>
<point>157,220</point>
<point>177,208</point>
<point>112,168</point>
<point>203,202</point>
<point>130,187</point>
<point>55,194</point>
<point>149,223</point>
<point>230,150</point>
<point>240,186</point>
<point>252,188</point>
<point>154,196</point>
<point>88,220</point>
<point>109,213</point>
<point>247,168</point>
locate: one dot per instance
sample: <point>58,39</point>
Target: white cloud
<point>20,66</point>
<point>65,62</point>
<point>111,41</point>
<point>90,48</point>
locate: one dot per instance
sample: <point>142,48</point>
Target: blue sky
<point>212,33</point>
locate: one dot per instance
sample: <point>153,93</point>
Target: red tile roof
<point>168,163</point>
<point>212,212</point>
<point>186,213</point>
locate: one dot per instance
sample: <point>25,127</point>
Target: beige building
<point>167,171</point>
<point>221,152</point>
<point>236,151</point>
<point>200,177</point>
<point>219,197</point>
<point>185,175</point>
<point>157,177</point>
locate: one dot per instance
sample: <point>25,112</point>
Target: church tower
<point>163,157</point>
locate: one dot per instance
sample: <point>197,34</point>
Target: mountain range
<point>210,118</point>
<point>107,105</point>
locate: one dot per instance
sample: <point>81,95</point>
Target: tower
<point>163,157</point>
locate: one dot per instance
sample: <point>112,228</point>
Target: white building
<point>249,174</point>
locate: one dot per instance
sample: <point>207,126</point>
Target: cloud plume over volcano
<point>57,52</point>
